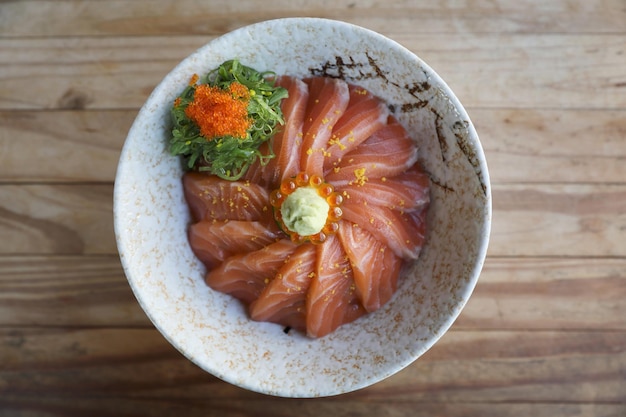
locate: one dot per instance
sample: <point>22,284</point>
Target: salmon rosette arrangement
<point>312,230</point>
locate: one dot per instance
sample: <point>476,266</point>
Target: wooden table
<point>543,335</point>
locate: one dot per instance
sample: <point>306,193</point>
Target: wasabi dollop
<point>304,211</point>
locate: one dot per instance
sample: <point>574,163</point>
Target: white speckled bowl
<point>212,329</point>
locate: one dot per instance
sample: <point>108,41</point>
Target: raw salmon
<point>402,232</point>
<point>364,115</point>
<point>332,299</point>
<point>283,301</point>
<point>405,192</point>
<point>245,275</point>
<point>374,265</point>
<point>328,99</point>
<point>288,140</point>
<point>386,153</point>
<point>212,198</point>
<point>212,241</point>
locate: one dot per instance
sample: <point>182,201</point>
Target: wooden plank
<point>57,219</point>
<point>513,293</point>
<point>478,367</point>
<point>528,220</point>
<point>87,18</point>
<point>516,367</point>
<point>74,405</point>
<point>62,146</point>
<point>521,145</point>
<point>529,71</point>
<point>506,71</point>
<point>548,293</point>
<point>78,73</point>
<point>554,219</point>
<point>67,291</point>
<point>549,146</point>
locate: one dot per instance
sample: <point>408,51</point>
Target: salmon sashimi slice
<point>212,198</point>
<point>245,275</point>
<point>402,232</point>
<point>283,301</point>
<point>213,242</point>
<point>405,192</point>
<point>386,153</point>
<point>328,99</point>
<point>287,141</point>
<point>364,115</point>
<point>374,265</point>
<point>332,299</point>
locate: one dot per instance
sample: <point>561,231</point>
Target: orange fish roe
<point>220,112</point>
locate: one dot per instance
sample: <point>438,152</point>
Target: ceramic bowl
<point>212,329</point>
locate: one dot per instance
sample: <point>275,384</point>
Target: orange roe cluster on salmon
<point>219,112</point>
<point>343,142</point>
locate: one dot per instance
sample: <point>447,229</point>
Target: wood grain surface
<point>544,333</point>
